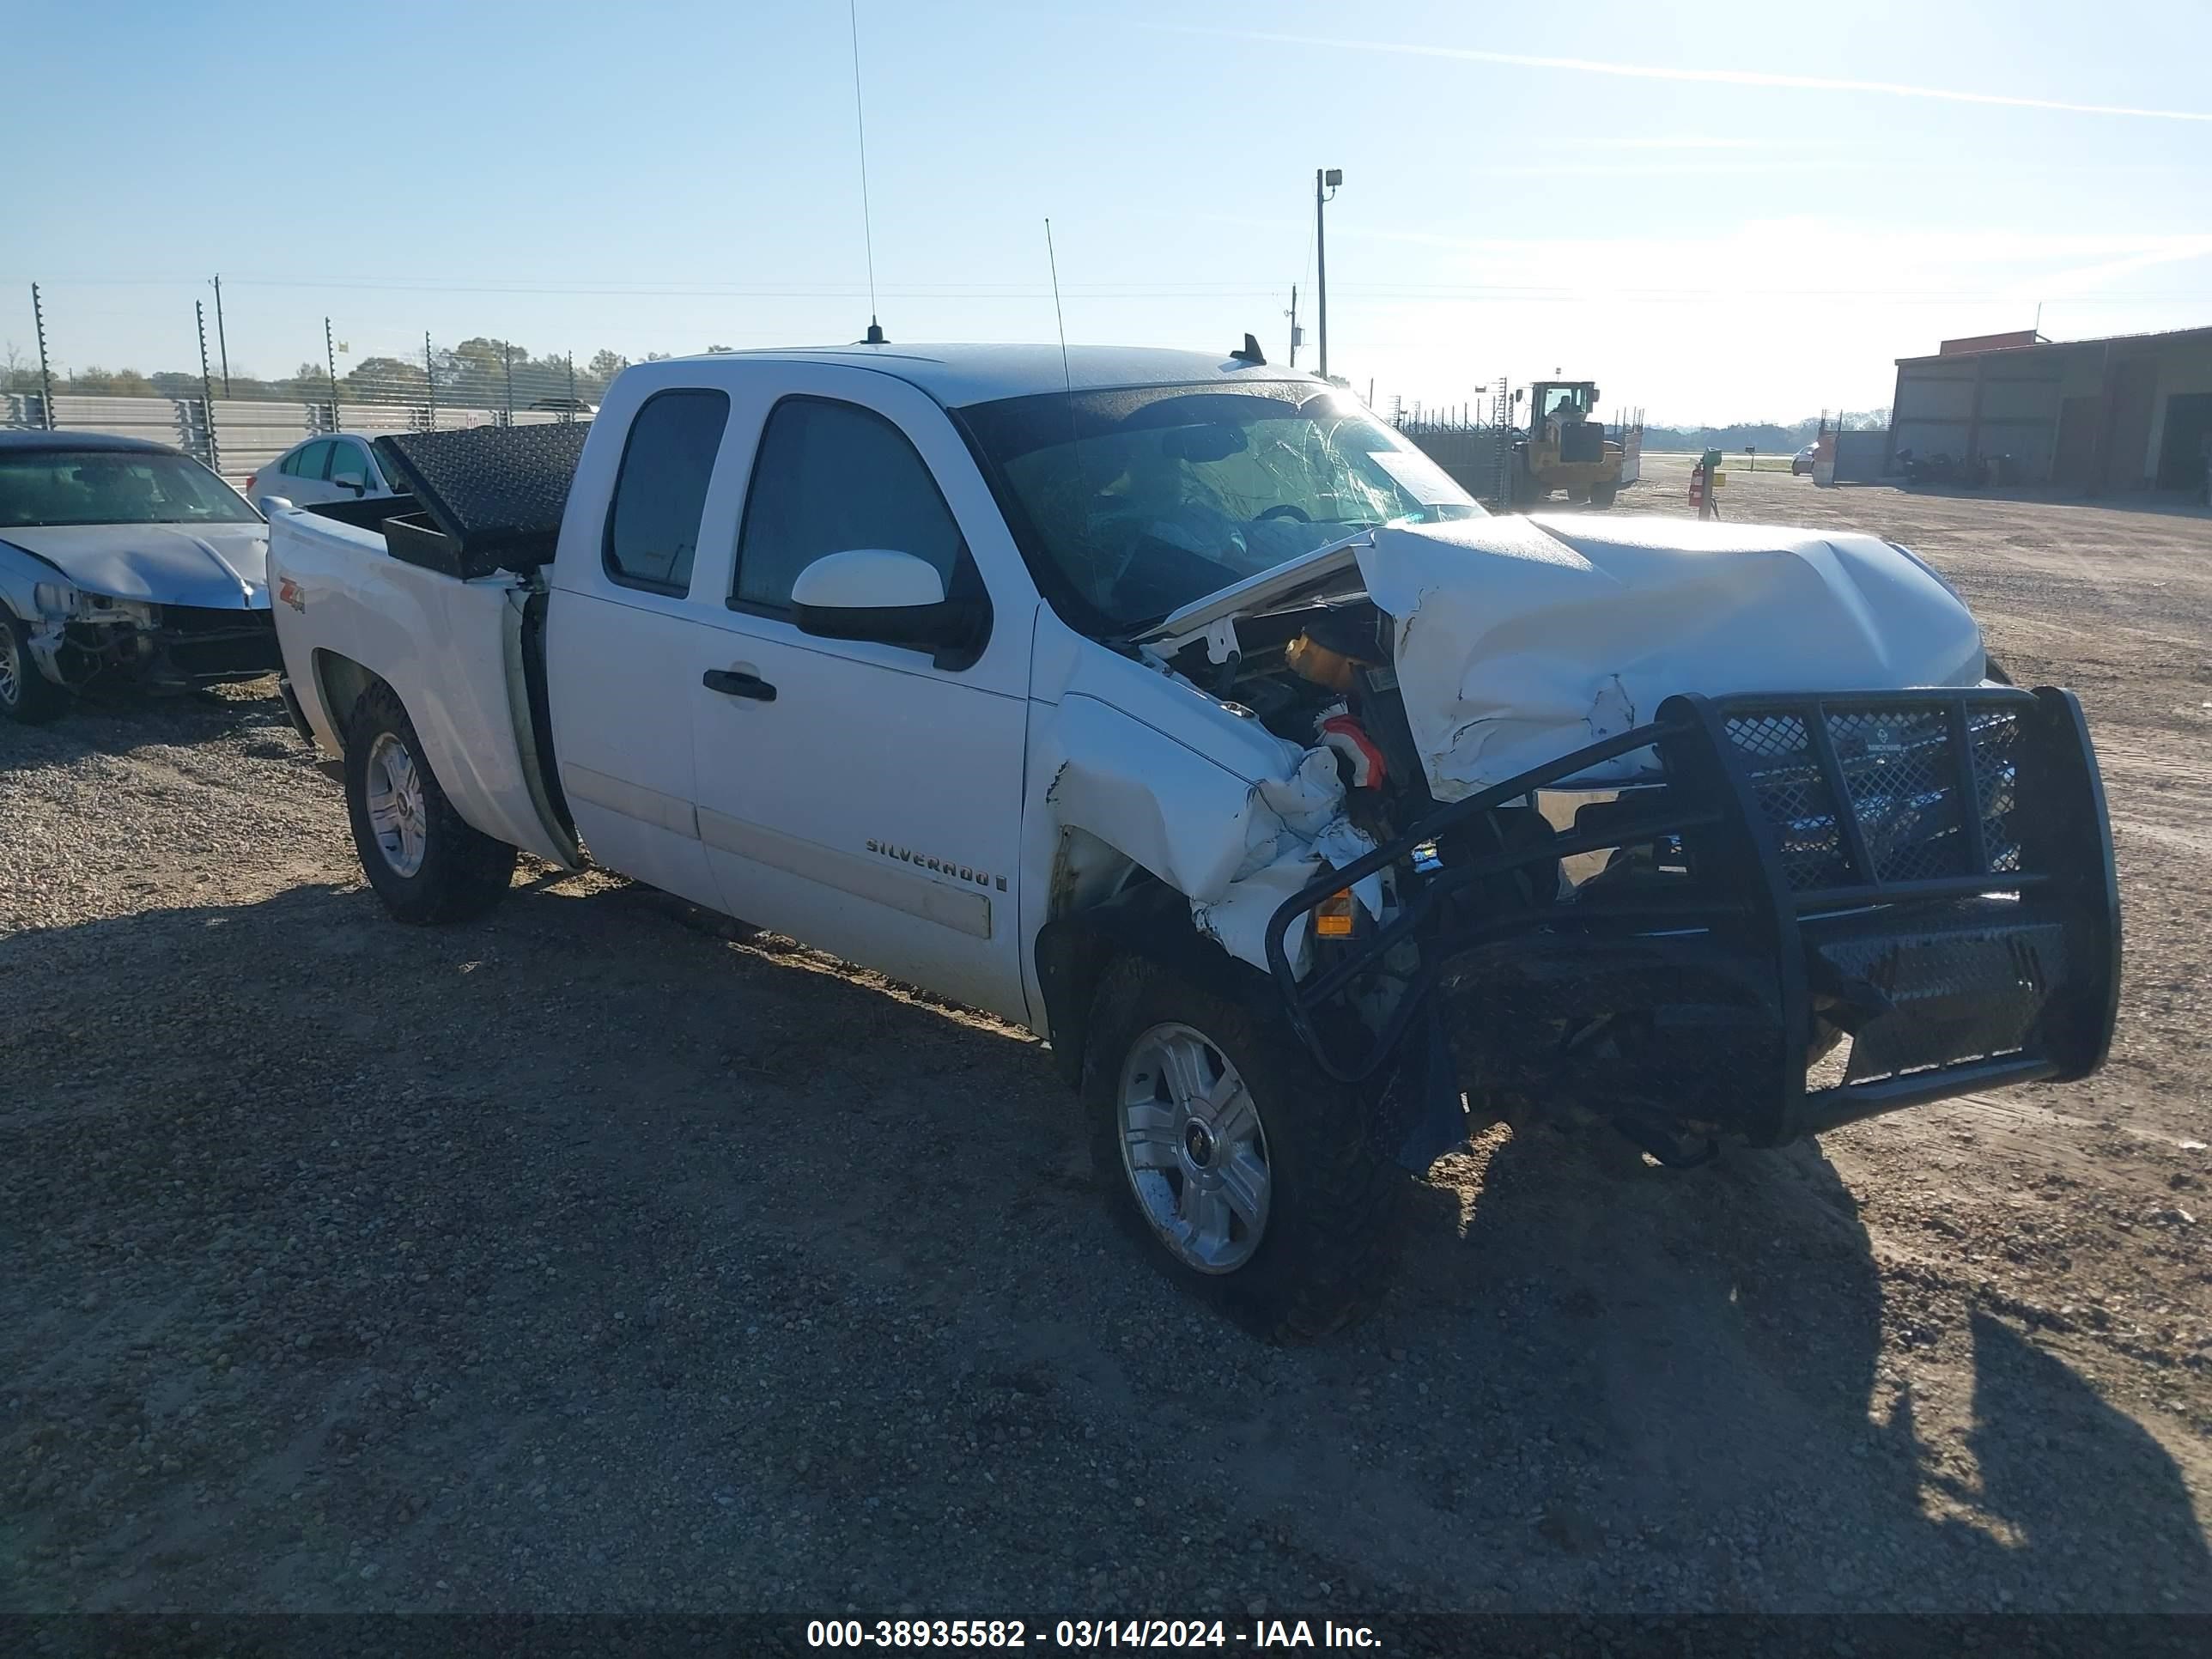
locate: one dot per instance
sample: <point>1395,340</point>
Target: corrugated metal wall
<point>2019,417</point>
<point>2006,403</point>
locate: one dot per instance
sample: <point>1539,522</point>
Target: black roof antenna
<point>1250,353</point>
<point>875,335</point>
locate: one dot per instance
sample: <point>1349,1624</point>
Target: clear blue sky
<point>1759,242</point>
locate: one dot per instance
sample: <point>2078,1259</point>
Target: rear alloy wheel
<point>394,799</point>
<point>1248,1177</point>
<point>27,696</point>
<point>426,862</point>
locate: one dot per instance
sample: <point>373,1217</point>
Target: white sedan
<point>340,467</point>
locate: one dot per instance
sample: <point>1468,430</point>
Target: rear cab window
<point>660,490</point>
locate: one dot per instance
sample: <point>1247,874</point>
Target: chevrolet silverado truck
<point>1176,709</point>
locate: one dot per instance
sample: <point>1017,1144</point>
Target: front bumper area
<point>174,646</point>
<point>1834,906</point>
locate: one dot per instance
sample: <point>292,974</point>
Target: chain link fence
<point>239,422</point>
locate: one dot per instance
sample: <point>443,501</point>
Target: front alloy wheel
<point>1194,1148</point>
<point>26,694</point>
<point>1249,1178</point>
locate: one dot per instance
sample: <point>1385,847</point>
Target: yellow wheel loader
<point>1565,448</point>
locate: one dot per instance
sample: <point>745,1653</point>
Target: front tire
<point>1248,1177</point>
<point>27,696</point>
<point>424,861</point>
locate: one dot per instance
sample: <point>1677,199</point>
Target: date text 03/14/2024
<point>1085,1633</point>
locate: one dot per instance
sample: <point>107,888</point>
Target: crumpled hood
<point>1520,639</point>
<point>221,566</point>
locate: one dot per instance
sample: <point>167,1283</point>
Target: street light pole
<point>1328,177</point>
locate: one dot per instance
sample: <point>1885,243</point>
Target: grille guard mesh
<point>1929,871</point>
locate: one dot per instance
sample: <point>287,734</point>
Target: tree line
<point>1768,437</point>
<point>483,373</point>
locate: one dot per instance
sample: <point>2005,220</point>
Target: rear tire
<point>27,696</point>
<point>1269,1128</point>
<point>424,861</point>
<point>1602,495</point>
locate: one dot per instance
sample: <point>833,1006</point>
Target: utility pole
<point>45,375</point>
<point>207,388</point>
<point>330,362</point>
<point>1329,178</point>
<point>569,413</point>
<point>508,351</point>
<point>430,380</point>
<point>222,345</point>
<point>1294,324</point>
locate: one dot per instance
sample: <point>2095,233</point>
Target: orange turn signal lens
<point>1333,916</point>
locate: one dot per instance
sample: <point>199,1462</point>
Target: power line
<point>1237,289</point>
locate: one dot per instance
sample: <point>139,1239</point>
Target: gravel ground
<point>592,1258</point>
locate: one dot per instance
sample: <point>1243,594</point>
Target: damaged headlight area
<point>57,601</point>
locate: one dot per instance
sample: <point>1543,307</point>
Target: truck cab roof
<point>957,375</point>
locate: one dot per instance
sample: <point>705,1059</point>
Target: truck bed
<point>459,650</point>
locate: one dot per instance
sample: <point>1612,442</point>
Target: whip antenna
<point>1067,379</point>
<point>861,122</point>
<point>1067,375</point>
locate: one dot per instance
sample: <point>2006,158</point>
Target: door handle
<point>731,683</point>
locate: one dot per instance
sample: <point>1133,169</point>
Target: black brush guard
<point>1926,872</point>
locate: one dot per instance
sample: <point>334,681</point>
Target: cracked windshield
<point>1146,500</point>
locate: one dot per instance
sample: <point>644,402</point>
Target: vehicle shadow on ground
<point>589,1261</point>
<point>1714,1351</point>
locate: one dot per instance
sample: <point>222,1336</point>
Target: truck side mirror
<point>888,598</point>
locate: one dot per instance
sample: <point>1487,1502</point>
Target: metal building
<point>2131,412</point>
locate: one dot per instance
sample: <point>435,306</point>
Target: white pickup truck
<point>1177,709</point>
